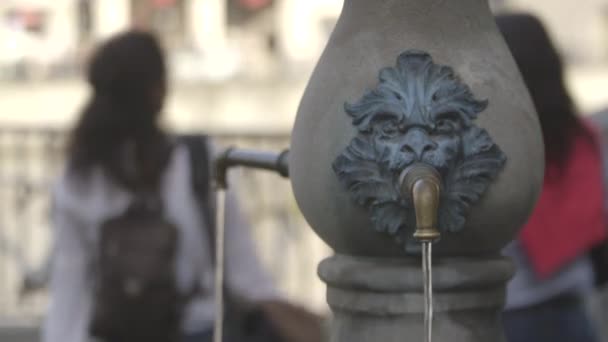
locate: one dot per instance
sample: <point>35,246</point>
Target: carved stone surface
<point>374,288</point>
<point>419,112</point>
<point>381,300</point>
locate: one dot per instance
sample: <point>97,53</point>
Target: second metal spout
<point>422,183</point>
<point>263,160</point>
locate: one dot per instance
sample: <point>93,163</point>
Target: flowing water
<point>219,267</point>
<point>427,270</point>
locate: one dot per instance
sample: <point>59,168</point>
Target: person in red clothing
<point>555,271</point>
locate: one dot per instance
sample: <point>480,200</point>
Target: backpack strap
<point>198,146</point>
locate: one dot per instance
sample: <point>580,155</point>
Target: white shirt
<point>79,208</point>
<point>525,288</point>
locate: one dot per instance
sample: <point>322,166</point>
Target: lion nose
<point>418,142</point>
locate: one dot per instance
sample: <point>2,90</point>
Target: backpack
<point>136,296</point>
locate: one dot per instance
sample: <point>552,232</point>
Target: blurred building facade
<point>580,30</point>
<point>244,62</point>
<point>236,63</point>
<point>208,39</point>
<point>579,27</point>
<point>216,37</point>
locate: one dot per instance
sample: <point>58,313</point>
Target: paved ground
<point>18,332</point>
<point>19,335</point>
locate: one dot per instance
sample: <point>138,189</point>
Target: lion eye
<point>448,122</point>
<point>447,125</point>
<point>389,129</point>
<point>444,125</point>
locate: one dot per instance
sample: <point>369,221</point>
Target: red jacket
<point>569,218</point>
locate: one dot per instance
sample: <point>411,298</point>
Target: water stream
<point>427,271</point>
<point>218,323</point>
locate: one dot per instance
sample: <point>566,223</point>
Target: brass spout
<point>422,183</point>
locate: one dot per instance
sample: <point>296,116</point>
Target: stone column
<point>296,31</point>
<point>382,299</point>
<point>207,21</point>
<point>62,30</point>
<point>110,17</point>
<point>208,32</point>
<point>401,84</point>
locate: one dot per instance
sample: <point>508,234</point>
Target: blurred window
<point>31,20</point>
<point>241,12</point>
<point>164,17</point>
<point>254,19</point>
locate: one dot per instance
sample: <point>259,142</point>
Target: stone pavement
<point>18,332</point>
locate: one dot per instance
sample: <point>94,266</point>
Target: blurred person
<point>131,260</point>
<point>598,302</point>
<point>555,273</point>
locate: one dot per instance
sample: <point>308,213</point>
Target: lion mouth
<point>399,164</point>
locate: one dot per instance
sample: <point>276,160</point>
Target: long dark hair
<point>118,128</point>
<point>542,71</point>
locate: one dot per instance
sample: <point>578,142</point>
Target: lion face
<point>419,112</point>
<point>438,144</point>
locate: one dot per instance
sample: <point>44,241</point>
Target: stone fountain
<point>429,86</point>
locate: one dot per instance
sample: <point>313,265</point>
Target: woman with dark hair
<point>117,154</point>
<point>545,299</point>
<point>128,79</point>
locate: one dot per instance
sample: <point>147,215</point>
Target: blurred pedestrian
<point>598,302</point>
<point>132,259</point>
<point>545,299</point>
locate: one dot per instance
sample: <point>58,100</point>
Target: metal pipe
<point>231,157</point>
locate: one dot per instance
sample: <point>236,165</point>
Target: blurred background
<point>238,69</point>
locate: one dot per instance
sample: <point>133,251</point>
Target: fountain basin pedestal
<point>382,299</point>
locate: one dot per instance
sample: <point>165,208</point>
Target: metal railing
<point>30,159</point>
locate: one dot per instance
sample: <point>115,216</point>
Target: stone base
<point>382,299</point>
